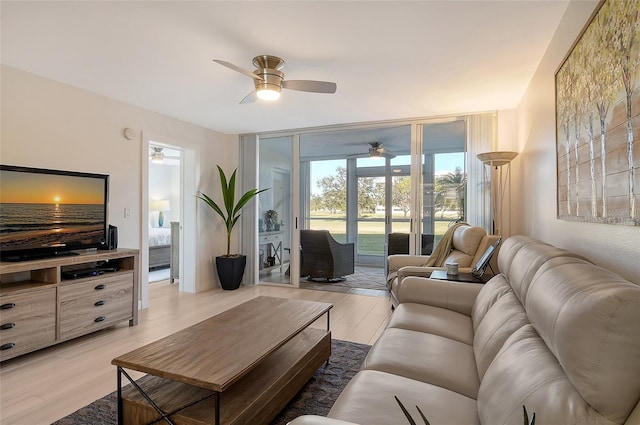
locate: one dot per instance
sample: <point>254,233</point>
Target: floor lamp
<point>500,181</point>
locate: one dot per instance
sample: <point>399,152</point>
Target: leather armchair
<point>469,243</point>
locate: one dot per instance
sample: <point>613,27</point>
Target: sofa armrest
<point>397,261</point>
<point>407,271</point>
<point>317,420</point>
<point>456,296</point>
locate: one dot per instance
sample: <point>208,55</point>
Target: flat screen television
<point>51,212</point>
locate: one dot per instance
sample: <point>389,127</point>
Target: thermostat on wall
<point>129,134</point>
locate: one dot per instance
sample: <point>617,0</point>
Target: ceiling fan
<point>158,156</point>
<point>269,79</point>
<point>375,151</point>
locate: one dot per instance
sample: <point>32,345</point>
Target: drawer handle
<point>7,326</point>
<point>7,346</point>
<point>99,303</point>
<point>100,319</point>
<point>101,286</point>
<point>7,306</point>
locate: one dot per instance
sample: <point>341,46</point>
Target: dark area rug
<point>315,398</point>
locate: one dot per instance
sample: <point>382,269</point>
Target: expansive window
<point>362,183</point>
<point>328,203</point>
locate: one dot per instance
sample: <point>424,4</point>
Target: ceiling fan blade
<point>310,85</point>
<point>238,69</point>
<point>250,98</point>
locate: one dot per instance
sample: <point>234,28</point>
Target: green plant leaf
<point>229,198</point>
<point>526,417</point>
<point>404,410</point>
<point>246,198</point>
<point>212,204</point>
<point>231,212</point>
<point>424,418</point>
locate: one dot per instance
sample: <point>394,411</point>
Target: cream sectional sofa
<point>552,332</point>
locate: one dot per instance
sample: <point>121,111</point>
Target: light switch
<point>127,213</point>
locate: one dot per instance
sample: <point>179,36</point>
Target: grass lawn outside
<point>371,236</point>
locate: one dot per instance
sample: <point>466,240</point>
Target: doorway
<point>166,185</point>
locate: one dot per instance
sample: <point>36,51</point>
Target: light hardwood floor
<point>42,387</point>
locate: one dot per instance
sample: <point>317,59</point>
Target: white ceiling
<point>390,60</point>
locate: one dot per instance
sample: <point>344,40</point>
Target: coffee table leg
<point>216,399</point>
<point>328,330</point>
<point>328,321</point>
<point>153,404</point>
<point>120,412</point>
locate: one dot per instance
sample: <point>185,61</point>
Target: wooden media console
<point>45,302</point>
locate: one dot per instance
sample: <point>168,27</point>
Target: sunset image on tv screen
<point>48,210</point>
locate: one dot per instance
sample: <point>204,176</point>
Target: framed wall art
<point>598,119</point>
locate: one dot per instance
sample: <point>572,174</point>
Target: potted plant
<point>230,267</point>
<point>271,218</point>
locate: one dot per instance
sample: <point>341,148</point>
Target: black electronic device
<point>107,266</point>
<point>111,242</point>
<point>51,212</point>
<point>81,273</point>
<point>482,264</point>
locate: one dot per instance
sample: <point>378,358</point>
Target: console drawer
<point>95,304</point>
<point>27,322</point>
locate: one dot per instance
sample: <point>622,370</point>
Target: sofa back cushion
<point>589,318</point>
<point>466,240</point>
<point>527,262</point>
<point>525,372</point>
<point>489,294</point>
<point>502,319</point>
<point>509,248</point>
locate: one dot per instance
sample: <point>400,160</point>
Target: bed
<point>159,247</point>
<point>164,249</point>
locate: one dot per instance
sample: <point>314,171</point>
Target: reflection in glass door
<point>275,225</point>
<point>444,179</point>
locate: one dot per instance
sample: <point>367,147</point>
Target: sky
<point>446,162</point>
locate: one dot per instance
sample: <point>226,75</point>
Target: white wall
<point>52,125</point>
<point>534,196</point>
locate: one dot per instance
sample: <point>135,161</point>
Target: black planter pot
<point>230,271</point>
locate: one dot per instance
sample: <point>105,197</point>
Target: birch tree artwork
<point>598,119</point>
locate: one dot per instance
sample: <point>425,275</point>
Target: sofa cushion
<point>425,357</point>
<point>526,373</point>
<point>487,297</point>
<point>589,318</point>
<point>433,320</point>
<point>466,239</point>
<point>504,317</point>
<point>527,261</point>
<point>368,399</point>
<point>509,248</point>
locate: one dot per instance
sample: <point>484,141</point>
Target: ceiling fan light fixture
<point>269,86</point>
<point>157,156</point>
<point>268,94</point>
<point>269,79</point>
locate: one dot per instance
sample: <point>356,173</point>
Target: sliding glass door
<point>361,184</point>
<point>443,176</point>
<point>275,216</point>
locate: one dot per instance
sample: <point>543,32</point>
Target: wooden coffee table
<point>239,367</point>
